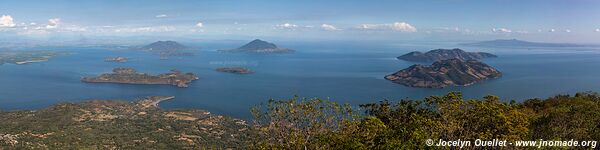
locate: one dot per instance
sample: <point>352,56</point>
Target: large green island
<point>131,76</point>
<point>443,73</point>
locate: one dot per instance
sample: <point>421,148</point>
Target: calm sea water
<point>344,73</point>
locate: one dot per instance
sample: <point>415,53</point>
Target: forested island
<point>443,54</point>
<point>131,76</point>
<point>300,123</point>
<point>443,73</point>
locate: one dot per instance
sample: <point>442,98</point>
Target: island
<point>120,124</point>
<point>117,59</point>
<point>131,76</point>
<point>235,70</point>
<point>167,48</point>
<point>26,57</point>
<point>443,54</point>
<point>521,43</point>
<point>443,73</point>
<point>259,46</point>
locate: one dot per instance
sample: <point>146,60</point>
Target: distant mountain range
<point>259,46</point>
<point>520,43</point>
<point>443,54</point>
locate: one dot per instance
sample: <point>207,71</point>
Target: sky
<point>573,21</point>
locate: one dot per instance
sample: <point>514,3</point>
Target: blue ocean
<point>342,72</point>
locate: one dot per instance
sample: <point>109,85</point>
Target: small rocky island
<point>259,46</point>
<point>167,49</point>
<point>117,59</point>
<point>443,54</point>
<point>131,76</point>
<point>443,73</point>
<point>235,70</point>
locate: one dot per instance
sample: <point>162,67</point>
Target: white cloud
<point>447,30</point>
<point>199,24</point>
<point>161,16</point>
<point>598,30</point>
<point>286,26</point>
<point>568,30</point>
<point>403,26</point>
<point>522,31</point>
<point>146,29</point>
<point>396,26</point>
<point>501,30</point>
<point>329,27</point>
<point>6,21</point>
<point>551,30</point>
<point>53,23</point>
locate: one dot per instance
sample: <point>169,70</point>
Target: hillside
<point>443,54</point>
<point>443,73</point>
<point>102,124</point>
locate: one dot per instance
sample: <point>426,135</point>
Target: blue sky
<point>537,20</point>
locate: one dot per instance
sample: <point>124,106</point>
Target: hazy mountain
<point>164,46</point>
<point>168,48</point>
<point>259,46</point>
<point>520,43</point>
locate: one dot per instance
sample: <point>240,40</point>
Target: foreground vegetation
<point>407,124</point>
<point>118,125</point>
<point>303,124</point>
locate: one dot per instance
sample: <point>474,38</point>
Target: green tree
<point>298,124</point>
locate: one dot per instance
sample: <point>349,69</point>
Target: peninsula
<point>259,46</point>
<point>26,57</point>
<point>443,54</point>
<point>443,73</point>
<point>118,124</point>
<point>131,76</point>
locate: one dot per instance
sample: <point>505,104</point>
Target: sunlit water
<point>344,73</point>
